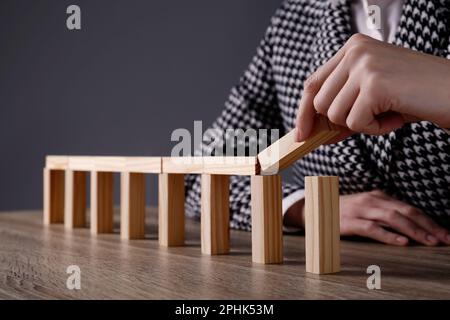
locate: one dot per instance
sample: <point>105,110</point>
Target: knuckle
<point>357,38</point>
<point>319,105</point>
<point>353,124</point>
<point>334,116</point>
<point>377,193</point>
<point>409,212</point>
<point>372,81</point>
<point>391,215</point>
<point>312,83</point>
<point>369,227</point>
<point>417,233</point>
<point>364,199</point>
<point>366,196</point>
<point>357,47</point>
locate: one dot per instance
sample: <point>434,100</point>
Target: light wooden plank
<point>211,165</point>
<point>182,165</point>
<point>171,209</point>
<point>128,164</point>
<point>114,164</point>
<point>132,205</point>
<point>267,232</point>
<point>322,226</point>
<point>53,196</point>
<point>102,202</point>
<point>57,162</point>
<point>284,152</point>
<point>81,163</point>
<point>75,199</point>
<point>215,214</point>
<point>244,166</point>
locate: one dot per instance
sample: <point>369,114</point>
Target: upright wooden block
<point>102,202</point>
<point>267,229</point>
<point>53,196</point>
<point>171,209</point>
<point>132,205</point>
<point>215,231</point>
<point>322,227</point>
<point>75,199</point>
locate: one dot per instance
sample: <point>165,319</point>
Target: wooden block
<point>211,165</point>
<point>57,162</point>
<point>108,164</point>
<point>215,231</point>
<point>267,228</point>
<point>243,166</point>
<point>171,209</point>
<point>75,199</point>
<point>53,196</point>
<point>102,202</point>
<point>182,165</point>
<point>132,205</point>
<point>284,152</point>
<point>128,164</point>
<point>82,163</point>
<point>322,227</point>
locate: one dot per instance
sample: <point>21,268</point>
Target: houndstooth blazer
<point>411,164</point>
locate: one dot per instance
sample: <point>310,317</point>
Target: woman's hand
<point>380,217</point>
<point>373,87</point>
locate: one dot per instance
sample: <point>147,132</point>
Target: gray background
<point>137,70</point>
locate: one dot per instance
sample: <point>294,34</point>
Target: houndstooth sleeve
<point>251,104</point>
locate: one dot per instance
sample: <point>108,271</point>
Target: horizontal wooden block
<point>171,209</point>
<point>182,165</point>
<point>129,164</point>
<point>54,192</point>
<point>322,226</point>
<point>244,166</point>
<point>211,165</point>
<point>215,214</point>
<point>132,205</point>
<point>105,164</point>
<point>284,152</point>
<point>175,165</point>
<point>75,199</point>
<point>57,162</point>
<point>267,224</point>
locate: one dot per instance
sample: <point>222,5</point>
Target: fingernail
<point>401,239</point>
<point>431,238</point>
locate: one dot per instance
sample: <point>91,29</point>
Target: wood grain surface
<point>34,259</point>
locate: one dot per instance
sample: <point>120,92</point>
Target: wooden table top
<point>33,262</point>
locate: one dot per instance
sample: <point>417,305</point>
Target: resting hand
<point>380,217</point>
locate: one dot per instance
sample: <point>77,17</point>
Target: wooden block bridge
<point>65,198</point>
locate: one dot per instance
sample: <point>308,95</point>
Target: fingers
<point>403,225</point>
<point>332,86</point>
<point>417,216</point>
<point>305,116</point>
<point>425,222</point>
<point>423,228</point>
<point>373,230</point>
<point>361,118</point>
<point>306,112</point>
<point>341,105</point>
<point>380,217</point>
